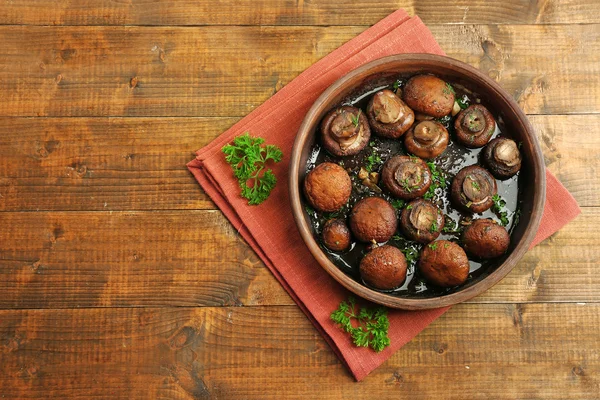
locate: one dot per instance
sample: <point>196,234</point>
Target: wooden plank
<point>228,71</point>
<point>274,12</point>
<point>195,258</point>
<point>274,353</point>
<point>115,164</point>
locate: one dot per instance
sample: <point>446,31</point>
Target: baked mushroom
<point>427,139</point>
<point>422,221</point>
<point>406,177</point>
<point>474,126</point>
<point>472,189</point>
<point>484,238</point>
<point>388,115</point>
<point>444,264</point>
<point>345,131</point>
<point>336,235</point>
<point>373,219</point>
<point>327,187</point>
<point>384,267</point>
<point>502,157</point>
<point>429,95</point>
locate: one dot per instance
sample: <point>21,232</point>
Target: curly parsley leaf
<point>367,327</point>
<point>248,158</point>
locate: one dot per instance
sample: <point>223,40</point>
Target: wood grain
<point>226,353</point>
<point>77,164</point>
<point>195,258</point>
<point>274,12</point>
<point>228,71</point>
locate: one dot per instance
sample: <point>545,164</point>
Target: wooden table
<point>120,279</point>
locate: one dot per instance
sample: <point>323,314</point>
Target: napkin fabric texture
<point>270,228</point>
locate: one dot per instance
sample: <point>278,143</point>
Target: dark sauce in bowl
<point>454,158</point>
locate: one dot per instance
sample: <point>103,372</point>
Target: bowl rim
<point>431,302</point>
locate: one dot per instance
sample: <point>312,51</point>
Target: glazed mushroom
<point>388,115</point>
<point>384,267</point>
<point>429,95</point>
<point>444,264</point>
<point>422,221</point>
<point>474,126</point>
<point>345,131</point>
<point>406,177</point>
<point>327,187</point>
<point>427,139</point>
<point>373,219</point>
<point>502,157</point>
<point>472,189</point>
<point>484,238</point>
<point>336,235</point>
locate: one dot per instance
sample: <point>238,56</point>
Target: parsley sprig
<point>371,328</point>
<point>248,159</point>
<point>497,208</point>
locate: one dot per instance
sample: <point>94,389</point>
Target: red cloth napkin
<point>270,229</point>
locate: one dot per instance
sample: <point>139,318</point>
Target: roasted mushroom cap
<point>474,126</point>
<point>484,238</point>
<point>406,177</point>
<point>422,221</point>
<point>444,264</point>
<point>472,189</point>
<point>429,95</point>
<point>327,187</point>
<point>427,139</point>
<point>373,218</point>
<point>345,131</point>
<point>336,235</point>
<point>502,157</point>
<point>388,115</point>
<point>384,267</point>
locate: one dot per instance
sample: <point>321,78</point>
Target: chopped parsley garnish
<point>448,89</point>
<point>373,160</point>
<point>396,85</point>
<point>248,159</point>
<point>356,118</point>
<point>497,208</point>
<point>438,180</point>
<point>433,246</point>
<point>433,227</point>
<point>368,327</point>
<point>475,184</point>
<point>398,204</point>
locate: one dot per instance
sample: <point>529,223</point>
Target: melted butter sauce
<point>454,158</point>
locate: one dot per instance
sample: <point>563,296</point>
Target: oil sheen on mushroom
<point>421,221</point>
<point>427,139</point>
<point>429,95</point>
<point>345,131</point>
<point>388,115</point>
<point>502,157</point>
<point>474,126</point>
<point>472,189</point>
<point>406,177</point>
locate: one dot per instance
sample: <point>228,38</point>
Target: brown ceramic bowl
<point>532,176</point>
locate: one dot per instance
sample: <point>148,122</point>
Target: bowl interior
<point>532,175</point>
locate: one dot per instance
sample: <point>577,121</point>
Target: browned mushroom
<point>502,157</point>
<point>472,189</point>
<point>422,221</point>
<point>373,218</point>
<point>406,177</point>
<point>345,131</point>
<point>444,264</point>
<point>429,95</point>
<point>389,116</point>
<point>474,126</point>
<point>484,238</point>
<point>427,139</point>
<point>327,187</point>
<point>384,267</point>
<point>336,235</point>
